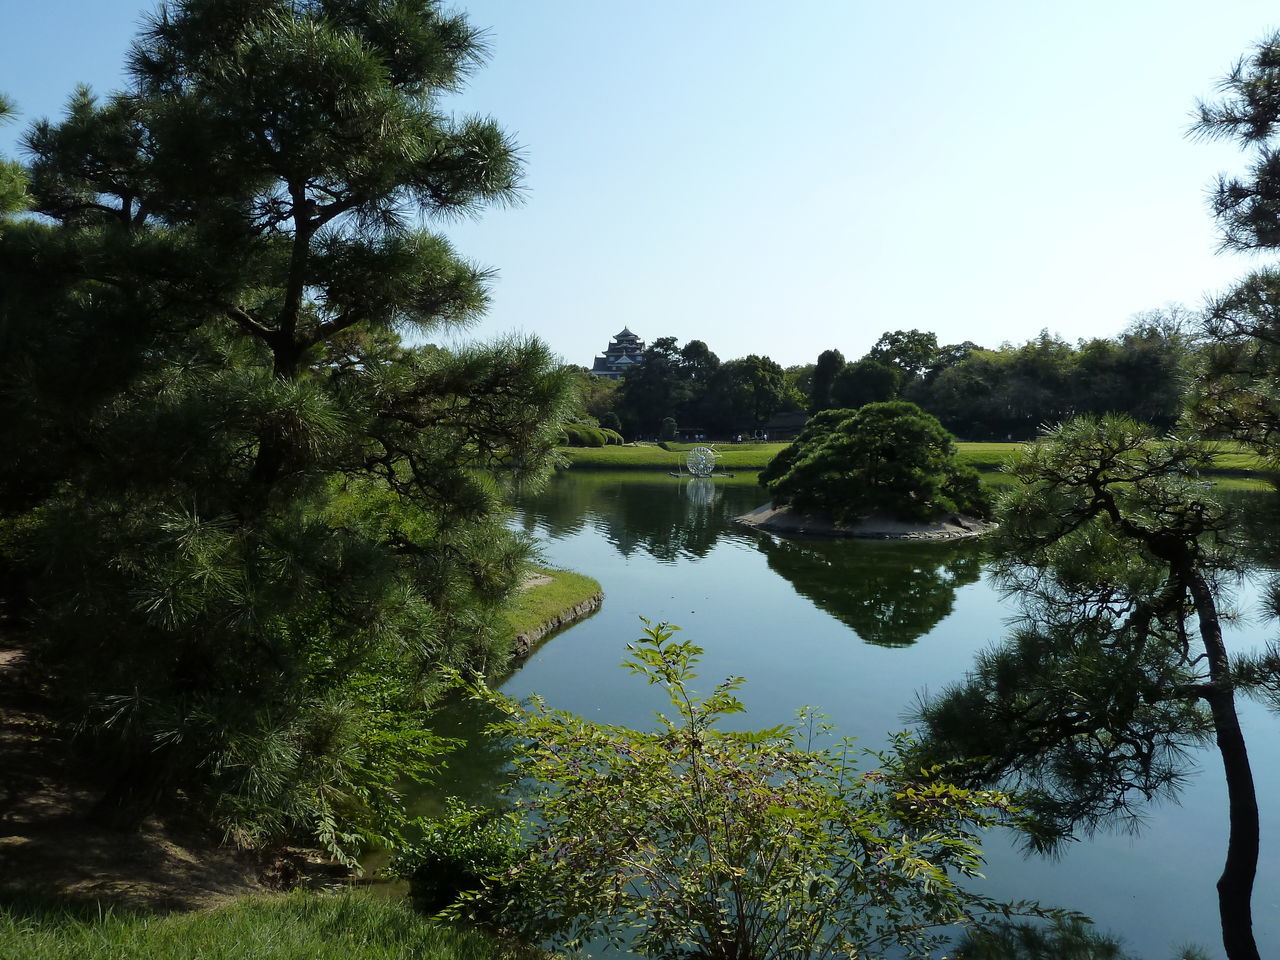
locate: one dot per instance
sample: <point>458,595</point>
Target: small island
<point>881,471</point>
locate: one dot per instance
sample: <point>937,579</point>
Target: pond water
<point>859,629</point>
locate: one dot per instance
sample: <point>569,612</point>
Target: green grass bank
<point>550,594</point>
<point>315,926</point>
<point>1234,467</point>
<point>650,456</point>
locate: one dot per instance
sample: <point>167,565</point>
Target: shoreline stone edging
<point>525,642</point>
<point>783,522</point>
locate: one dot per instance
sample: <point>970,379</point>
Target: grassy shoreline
<point>1234,468</point>
<point>350,924</point>
<point>734,456</point>
<point>542,603</point>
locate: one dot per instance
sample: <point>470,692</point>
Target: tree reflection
<point>1122,565</point>
<point>890,594</point>
<point>478,770</point>
<point>1257,515</point>
<point>664,517</point>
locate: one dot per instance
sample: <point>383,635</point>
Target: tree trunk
<point>1235,885</point>
<point>272,450</point>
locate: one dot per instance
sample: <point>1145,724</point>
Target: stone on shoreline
<point>525,642</point>
<point>785,522</point>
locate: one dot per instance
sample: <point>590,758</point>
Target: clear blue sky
<point>782,179</point>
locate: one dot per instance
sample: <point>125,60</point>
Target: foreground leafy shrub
<point>465,851</point>
<point>889,457</point>
<point>689,840</point>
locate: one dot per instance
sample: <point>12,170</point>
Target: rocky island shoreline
<point>786,522</point>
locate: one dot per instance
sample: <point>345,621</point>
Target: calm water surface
<point>860,629</point>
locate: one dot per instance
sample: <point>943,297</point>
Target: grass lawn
<point>1234,467</point>
<point>730,456</point>
<point>315,926</point>
<point>538,604</point>
<point>1230,460</point>
<point>1234,457</point>
<point>985,457</point>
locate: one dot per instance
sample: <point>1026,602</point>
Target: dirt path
<point>50,849</point>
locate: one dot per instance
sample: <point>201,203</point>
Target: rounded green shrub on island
<point>882,458</point>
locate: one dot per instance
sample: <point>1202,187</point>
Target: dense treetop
<point>978,393</point>
<point>252,523</point>
<point>889,458</point>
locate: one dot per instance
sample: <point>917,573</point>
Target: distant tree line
<point>1005,393</point>
<point>1010,392</point>
<point>692,388</point>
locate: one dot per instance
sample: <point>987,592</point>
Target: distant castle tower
<point>625,353</point>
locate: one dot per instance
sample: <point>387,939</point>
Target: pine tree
<point>13,185</point>
<point>1118,666</point>
<point>1236,393</point>
<point>261,512</point>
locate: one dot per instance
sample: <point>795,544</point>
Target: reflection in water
<point>1257,514</point>
<point>661,547</point>
<point>891,594</point>
<point>700,491</point>
<point>668,519</point>
<point>478,771</point>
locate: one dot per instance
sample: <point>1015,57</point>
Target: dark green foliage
<point>13,180</point>
<point>1236,396</point>
<point>867,381</point>
<point>978,394</point>
<point>690,385</point>
<point>1247,208</point>
<point>598,396</point>
<point>1117,668</point>
<point>883,457</point>
<point>655,391</point>
<point>610,421</point>
<point>667,431</point>
<point>884,600</point>
<point>582,435</point>
<point>1060,940</point>
<point>817,427</point>
<point>1086,754</point>
<point>464,851</point>
<point>697,364</point>
<point>825,371</point>
<point>911,352</point>
<point>756,387</point>
<point>259,524</point>
<point>1013,392</point>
